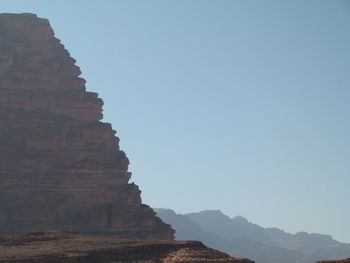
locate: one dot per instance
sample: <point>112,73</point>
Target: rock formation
<point>64,247</point>
<point>60,166</point>
<point>335,261</point>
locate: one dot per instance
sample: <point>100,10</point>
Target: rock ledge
<point>68,247</point>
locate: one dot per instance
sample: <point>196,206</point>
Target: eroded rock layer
<point>64,247</point>
<point>60,166</point>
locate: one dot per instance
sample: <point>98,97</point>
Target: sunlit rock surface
<point>65,247</point>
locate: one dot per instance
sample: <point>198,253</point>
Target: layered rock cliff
<point>64,247</point>
<point>60,166</point>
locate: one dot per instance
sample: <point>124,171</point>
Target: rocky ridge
<point>64,247</point>
<point>60,166</point>
<point>239,237</point>
<point>335,261</point>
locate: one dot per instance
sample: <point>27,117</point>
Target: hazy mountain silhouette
<point>241,238</point>
<point>216,222</point>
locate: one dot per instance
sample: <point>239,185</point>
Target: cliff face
<point>64,247</point>
<point>60,166</point>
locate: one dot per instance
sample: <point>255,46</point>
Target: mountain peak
<point>212,212</point>
<point>240,219</point>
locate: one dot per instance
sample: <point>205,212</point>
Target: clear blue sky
<point>238,105</point>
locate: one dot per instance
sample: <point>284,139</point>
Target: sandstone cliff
<point>60,166</point>
<point>64,247</point>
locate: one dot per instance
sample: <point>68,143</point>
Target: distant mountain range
<point>241,238</point>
